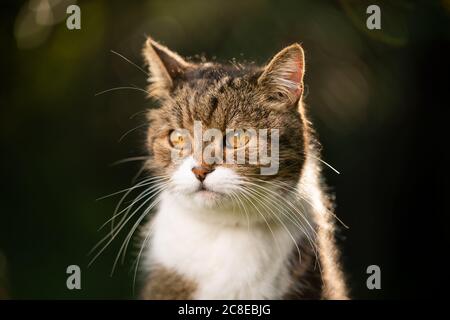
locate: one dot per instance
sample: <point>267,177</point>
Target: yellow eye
<point>237,139</point>
<point>178,139</point>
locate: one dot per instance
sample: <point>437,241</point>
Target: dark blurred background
<point>378,100</point>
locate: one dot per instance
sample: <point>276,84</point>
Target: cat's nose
<point>201,172</point>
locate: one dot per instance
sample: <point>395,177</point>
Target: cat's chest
<point>225,262</point>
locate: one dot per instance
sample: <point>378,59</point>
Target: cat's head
<point>245,98</point>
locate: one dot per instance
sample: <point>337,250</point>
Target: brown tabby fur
<point>228,96</point>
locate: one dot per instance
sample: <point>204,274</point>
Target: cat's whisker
<point>152,180</point>
<point>283,199</point>
<point>292,217</point>
<point>244,209</point>
<point>131,130</point>
<point>139,197</point>
<point>156,191</point>
<point>140,171</point>
<point>325,163</point>
<point>130,62</point>
<point>126,242</point>
<point>130,159</point>
<point>138,185</point>
<point>280,221</point>
<point>138,113</point>
<point>120,88</point>
<point>112,232</point>
<point>147,210</point>
<point>290,214</point>
<point>312,204</point>
<point>145,193</point>
<point>247,196</point>
<point>143,245</point>
<point>118,229</point>
<point>295,191</point>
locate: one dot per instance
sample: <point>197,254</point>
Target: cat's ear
<point>164,65</point>
<point>282,78</point>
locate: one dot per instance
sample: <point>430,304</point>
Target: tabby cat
<point>223,229</point>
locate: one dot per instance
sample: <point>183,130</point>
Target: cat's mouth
<point>206,192</point>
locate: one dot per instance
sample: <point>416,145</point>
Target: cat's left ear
<point>282,78</point>
<point>165,66</point>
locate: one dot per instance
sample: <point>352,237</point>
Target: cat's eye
<point>179,139</point>
<point>237,139</point>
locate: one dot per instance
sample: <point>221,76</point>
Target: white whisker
<point>131,62</point>
<point>120,88</point>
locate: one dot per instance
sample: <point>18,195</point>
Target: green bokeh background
<point>372,95</point>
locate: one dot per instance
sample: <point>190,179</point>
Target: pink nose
<point>201,172</point>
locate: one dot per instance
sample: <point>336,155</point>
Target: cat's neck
<point>224,260</point>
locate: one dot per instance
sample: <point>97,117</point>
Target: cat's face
<point>211,96</point>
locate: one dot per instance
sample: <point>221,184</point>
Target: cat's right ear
<point>164,66</point>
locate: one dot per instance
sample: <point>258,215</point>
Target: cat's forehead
<point>213,111</point>
<point>214,72</point>
<point>219,97</point>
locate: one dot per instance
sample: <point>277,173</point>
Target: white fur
<point>227,255</point>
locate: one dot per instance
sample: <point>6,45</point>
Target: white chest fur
<point>225,261</point>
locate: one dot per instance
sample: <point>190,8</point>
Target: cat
<point>224,230</point>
